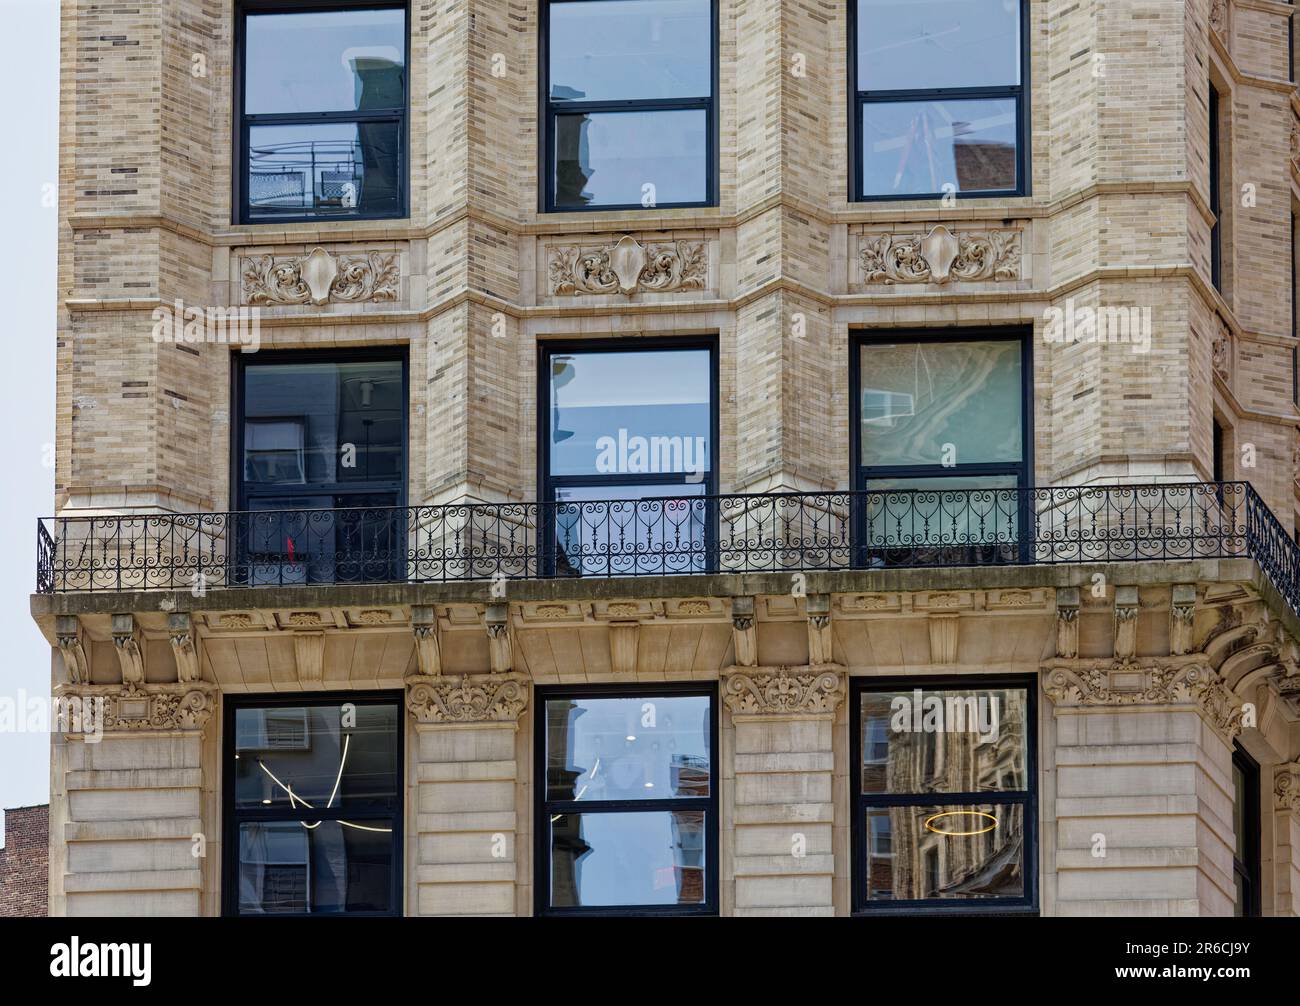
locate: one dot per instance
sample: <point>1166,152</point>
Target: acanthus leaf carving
<point>320,277</point>
<point>136,707</point>
<point>783,691</point>
<point>484,698</point>
<point>940,256</point>
<point>627,267</point>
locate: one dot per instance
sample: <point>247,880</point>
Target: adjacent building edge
<point>1144,693</point>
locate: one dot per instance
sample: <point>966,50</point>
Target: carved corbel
<point>1126,612</point>
<point>67,632</point>
<point>744,632</point>
<point>623,637</point>
<point>497,622</point>
<point>1286,787</point>
<point>1067,622</point>
<point>180,630</point>
<point>428,652</point>
<point>309,656</point>
<point>475,698</point>
<point>943,638</point>
<point>1182,610</point>
<point>819,629</point>
<point>130,654</point>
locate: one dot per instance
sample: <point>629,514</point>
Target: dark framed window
<point>316,433</point>
<point>939,102</point>
<point>313,798</point>
<point>934,418</point>
<point>628,102</point>
<point>627,455</point>
<point>1216,184</point>
<point>1245,829</point>
<point>945,795</point>
<point>321,110</point>
<point>627,800</point>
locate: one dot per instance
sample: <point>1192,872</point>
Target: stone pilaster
<point>1143,789</point>
<point>1286,831</point>
<point>127,800</point>
<point>467,835</point>
<point>783,814</point>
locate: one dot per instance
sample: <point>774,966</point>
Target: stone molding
<point>476,698</point>
<point>130,654</point>
<point>319,277</point>
<point>784,691</point>
<point>1286,787</point>
<point>135,708</point>
<point>941,256</point>
<point>1109,683</point>
<point>71,642</point>
<point>626,266</point>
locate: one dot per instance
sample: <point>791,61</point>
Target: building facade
<point>675,456</point>
<point>24,862</point>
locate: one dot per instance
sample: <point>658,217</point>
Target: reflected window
<point>948,833</point>
<point>627,813</point>
<point>629,458</point>
<point>940,98</point>
<point>313,805</point>
<point>321,466</point>
<point>1245,830</point>
<point>324,112</point>
<point>629,97</point>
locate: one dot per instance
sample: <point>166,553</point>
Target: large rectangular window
<point>941,440</point>
<point>944,795</point>
<point>939,98</point>
<point>627,801</point>
<point>627,455</point>
<point>1216,195</point>
<point>628,101</point>
<point>1245,830</point>
<point>323,109</point>
<point>319,466</point>
<point>313,805</point>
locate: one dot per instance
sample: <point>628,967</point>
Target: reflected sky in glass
<point>919,44</point>
<point>919,147</point>
<point>608,158</point>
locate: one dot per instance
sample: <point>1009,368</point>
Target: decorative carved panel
<point>320,277</point>
<point>941,256</point>
<point>627,267</point>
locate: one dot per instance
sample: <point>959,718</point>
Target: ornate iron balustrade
<point>665,536</point>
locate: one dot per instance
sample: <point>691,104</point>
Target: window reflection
<point>601,860</point>
<point>292,867</point>
<point>946,852</point>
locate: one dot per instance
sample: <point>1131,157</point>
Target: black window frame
<point>232,818</point>
<point>862,474</point>
<point>1020,93</point>
<point>242,122</point>
<point>544,808</point>
<point>860,803</point>
<point>548,110</point>
<point>1249,871</point>
<point>1216,197</point>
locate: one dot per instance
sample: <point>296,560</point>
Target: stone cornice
<point>474,698</point>
<point>1178,681</point>
<point>143,708</point>
<point>789,692</point>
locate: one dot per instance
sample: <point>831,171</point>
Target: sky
<point>29,76</point>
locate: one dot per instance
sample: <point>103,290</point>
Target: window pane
<point>631,158</point>
<point>952,740</point>
<point>980,856</point>
<point>916,44</point>
<point>328,867</point>
<point>323,423</point>
<point>918,147</point>
<point>663,534</point>
<point>651,748</point>
<point>335,61</point>
<point>654,858</point>
<point>303,758</point>
<point>917,398</point>
<point>630,413</point>
<point>328,169</point>
<point>627,49</point>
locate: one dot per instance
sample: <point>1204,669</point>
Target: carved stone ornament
<point>1286,787</point>
<point>1221,352</point>
<point>320,277</point>
<point>1219,17</point>
<point>68,635</point>
<point>1104,683</point>
<point>941,256</point>
<point>783,691</point>
<point>1295,146</point>
<point>136,708</point>
<point>627,267</point>
<point>480,698</point>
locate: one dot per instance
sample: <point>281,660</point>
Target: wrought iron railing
<point>664,536</point>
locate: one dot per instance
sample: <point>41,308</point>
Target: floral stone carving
<point>480,698</point>
<point>941,256</point>
<point>783,691</point>
<point>320,277</point>
<point>628,267</point>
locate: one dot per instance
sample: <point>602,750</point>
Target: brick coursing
<point>24,862</point>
